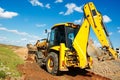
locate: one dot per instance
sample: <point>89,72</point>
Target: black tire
<point>39,60</point>
<point>52,63</point>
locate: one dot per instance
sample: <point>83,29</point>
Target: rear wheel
<point>52,63</point>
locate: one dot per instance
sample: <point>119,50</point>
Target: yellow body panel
<point>56,48</point>
<point>68,24</point>
<point>62,62</point>
<point>80,44</point>
<point>90,62</point>
<point>56,25</point>
<point>41,44</point>
<point>113,52</point>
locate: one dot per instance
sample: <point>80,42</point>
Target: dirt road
<point>31,71</point>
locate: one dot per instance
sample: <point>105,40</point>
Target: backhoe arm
<point>96,22</point>
<point>92,18</point>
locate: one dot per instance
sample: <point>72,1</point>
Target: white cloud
<point>61,12</point>
<point>40,25</point>
<point>19,42</point>
<point>79,9</point>
<point>13,31</point>
<point>58,1</point>
<point>47,6</point>
<point>36,3</point>
<point>71,7</point>
<point>106,19</point>
<point>77,21</point>
<point>32,41</point>
<point>7,14</point>
<point>119,31</point>
<point>24,39</point>
<point>2,38</point>
<point>19,33</point>
<point>33,36</point>
<point>110,33</point>
<point>118,28</point>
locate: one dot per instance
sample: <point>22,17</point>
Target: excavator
<point>66,44</point>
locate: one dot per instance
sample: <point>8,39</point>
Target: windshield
<point>70,35</point>
<point>57,36</point>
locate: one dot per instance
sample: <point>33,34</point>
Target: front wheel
<point>52,63</point>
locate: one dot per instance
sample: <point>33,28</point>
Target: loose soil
<point>31,71</point>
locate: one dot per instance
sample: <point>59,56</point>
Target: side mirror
<point>46,31</point>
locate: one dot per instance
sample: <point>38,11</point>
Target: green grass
<point>9,61</point>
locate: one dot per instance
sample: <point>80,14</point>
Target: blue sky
<point>24,21</point>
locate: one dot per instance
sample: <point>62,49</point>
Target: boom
<point>92,19</point>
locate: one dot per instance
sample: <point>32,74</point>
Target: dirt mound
<point>22,52</point>
<point>107,68</point>
<point>110,69</point>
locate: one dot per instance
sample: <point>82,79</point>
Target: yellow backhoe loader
<point>66,45</point>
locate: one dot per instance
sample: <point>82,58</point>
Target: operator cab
<point>63,33</point>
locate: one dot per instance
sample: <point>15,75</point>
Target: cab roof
<point>68,24</point>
